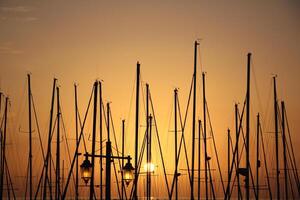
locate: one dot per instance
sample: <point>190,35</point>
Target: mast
<point>76,126</point>
<point>248,128</point>
<point>199,157</point>
<point>136,130</point>
<point>149,157</point>
<point>48,155</point>
<point>30,137</point>
<point>94,140</point>
<point>148,180</point>
<point>57,182</point>
<point>204,133</point>
<point>284,150</point>
<point>123,142</point>
<point>257,156</point>
<point>101,138</point>
<point>276,138</point>
<point>3,148</point>
<point>108,158</point>
<point>194,120</point>
<point>228,163</point>
<point>175,128</point>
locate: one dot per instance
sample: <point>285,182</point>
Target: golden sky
<point>81,41</point>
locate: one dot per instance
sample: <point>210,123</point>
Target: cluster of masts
<point>236,170</point>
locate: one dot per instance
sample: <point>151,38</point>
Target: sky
<point>83,41</point>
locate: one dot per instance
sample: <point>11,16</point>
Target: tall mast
<point>108,158</point>
<point>3,149</point>
<point>284,150</point>
<point>149,157</point>
<point>199,157</point>
<point>228,163</point>
<point>94,139</point>
<point>30,137</point>
<point>136,130</point>
<point>123,142</point>
<point>248,128</point>
<point>148,145</point>
<point>48,155</point>
<point>237,148</point>
<point>101,138</point>
<point>175,129</point>
<point>194,119</point>
<point>76,126</point>
<point>257,156</point>
<point>276,138</point>
<point>204,138</point>
<point>57,185</point>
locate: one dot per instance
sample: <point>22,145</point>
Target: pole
<point>257,157</point>
<point>175,128</point>
<point>199,157</point>
<point>228,163</point>
<point>48,155</point>
<point>237,148</point>
<point>108,159</point>
<point>276,138</point>
<point>136,130</point>
<point>248,128</point>
<point>94,140</point>
<point>101,138</point>
<point>204,133</point>
<point>148,145</point>
<point>76,126</point>
<point>150,160</point>
<point>123,142</point>
<point>284,150</point>
<point>57,185</point>
<point>30,137</point>
<point>194,119</point>
<point>3,148</point>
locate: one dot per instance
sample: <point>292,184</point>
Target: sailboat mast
<point>205,137</point>
<point>228,163</point>
<point>199,158</point>
<point>276,138</point>
<point>237,148</point>
<point>76,127</point>
<point>148,144</point>
<point>194,120</point>
<point>101,138</point>
<point>284,150</point>
<point>136,130</point>
<point>248,127</point>
<point>123,143</point>
<point>175,129</point>
<point>3,148</point>
<point>57,185</point>
<point>30,137</point>
<point>257,156</point>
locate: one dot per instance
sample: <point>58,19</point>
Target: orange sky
<point>80,41</point>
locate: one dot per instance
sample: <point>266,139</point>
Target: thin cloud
<point>17,9</point>
<point>8,50</point>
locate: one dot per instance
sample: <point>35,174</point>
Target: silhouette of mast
<point>57,182</point>
<point>3,141</point>
<point>101,138</point>
<point>205,137</point>
<point>76,152</point>
<point>30,137</point>
<point>108,158</point>
<point>228,163</point>
<point>237,149</point>
<point>248,128</point>
<point>136,130</point>
<point>175,129</point>
<point>284,150</point>
<point>194,120</point>
<point>276,138</point>
<point>199,157</point>
<point>257,157</point>
<point>148,179</point>
<point>123,143</point>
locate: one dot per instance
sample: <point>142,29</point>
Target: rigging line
<point>9,177</point>
<point>77,146</point>
<point>291,184</point>
<point>214,143</point>
<point>67,143</point>
<point>182,140</point>
<point>159,144</point>
<point>80,124</point>
<point>26,180</point>
<point>292,149</point>
<point>115,171</point>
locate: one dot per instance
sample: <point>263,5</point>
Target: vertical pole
<point>94,140</point>
<point>136,130</point>
<point>175,128</point>
<point>48,155</point>
<point>248,128</point>
<point>30,137</point>
<point>123,143</point>
<point>108,158</point>
<point>237,148</point>
<point>76,126</point>
<point>284,150</point>
<point>101,138</point>
<point>3,149</point>
<point>57,182</point>
<point>150,160</point>
<point>199,157</point>
<point>194,119</point>
<point>228,163</point>
<point>276,138</point>
<point>204,133</point>
<point>148,145</point>
<point>257,157</point>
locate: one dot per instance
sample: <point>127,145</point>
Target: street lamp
<point>86,170</point>
<point>128,172</point>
